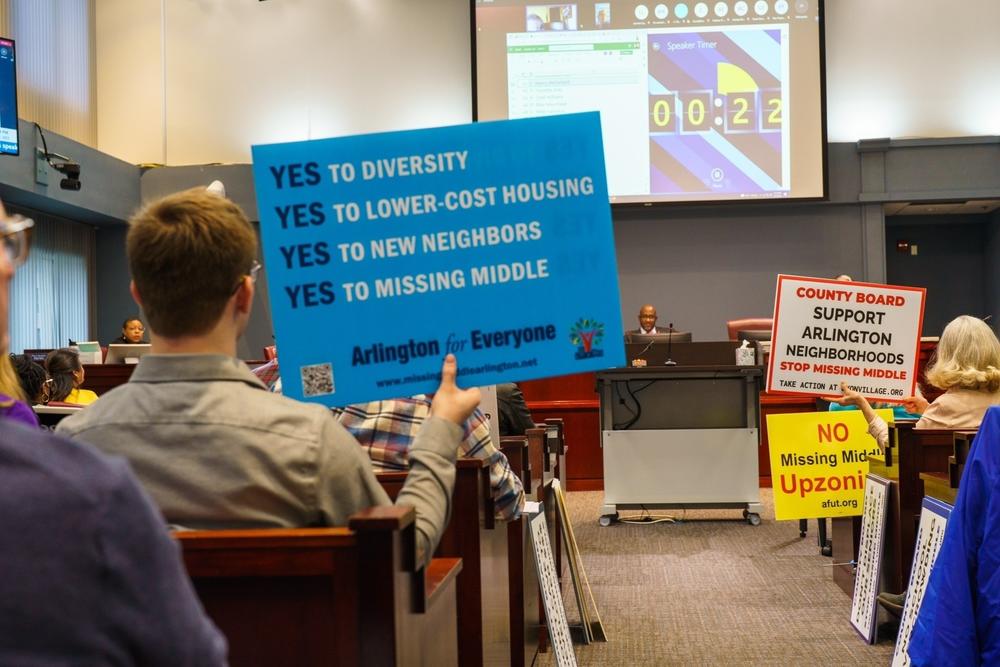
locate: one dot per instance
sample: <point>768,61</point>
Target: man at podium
<point>647,321</point>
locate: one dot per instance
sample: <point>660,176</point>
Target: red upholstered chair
<point>270,352</point>
<point>749,324</point>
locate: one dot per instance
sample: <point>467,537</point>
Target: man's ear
<point>135,293</point>
<point>244,295</point>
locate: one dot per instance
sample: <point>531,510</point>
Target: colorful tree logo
<point>587,335</point>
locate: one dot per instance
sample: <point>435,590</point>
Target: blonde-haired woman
<point>12,400</point>
<point>966,366</point>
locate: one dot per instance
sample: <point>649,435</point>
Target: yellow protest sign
<point>819,461</point>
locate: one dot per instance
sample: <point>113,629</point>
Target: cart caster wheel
<point>607,520</point>
<point>753,519</point>
<point>827,550</point>
<point>802,533</point>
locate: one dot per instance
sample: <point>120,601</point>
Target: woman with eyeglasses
<point>67,375</point>
<point>12,397</point>
<point>132,332</point>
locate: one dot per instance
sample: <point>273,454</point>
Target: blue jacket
<point>959,620</point>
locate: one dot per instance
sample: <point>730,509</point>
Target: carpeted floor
<point>712,590</point>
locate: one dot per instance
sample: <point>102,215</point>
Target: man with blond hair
<point>213,447</point>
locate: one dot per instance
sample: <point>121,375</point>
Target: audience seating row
<point>912,458</point>
<point>474,535</point>
<point>499,604</point>
<point>354,595</point>
<point>525,618</point>
<point>315,596</point>
<point>944,486</point>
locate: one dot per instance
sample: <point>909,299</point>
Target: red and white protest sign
<point>826,331</point>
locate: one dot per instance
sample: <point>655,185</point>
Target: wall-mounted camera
<point>64,165</point>
<point>71,170</point>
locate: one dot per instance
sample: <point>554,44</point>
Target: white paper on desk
<point>90,352</point>
<point>532,507</point>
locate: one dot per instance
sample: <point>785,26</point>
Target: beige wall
<point>912,68</point>
<point>129,80</point>
<point>55,64</point>
<point>239,72</point>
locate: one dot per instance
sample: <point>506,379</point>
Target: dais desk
<point>102,378</point>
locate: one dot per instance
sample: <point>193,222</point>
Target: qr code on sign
<point>317,380</point>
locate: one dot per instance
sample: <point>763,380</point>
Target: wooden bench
<point>960,454</point>
<point>944,486</point>
<point>525,454</point>
<point>555,468</point>
<point>556,449</point>
<point>910,452</point>
<point>340,596</point>
<point>938,485</point>
<point>474,535</point>
<point>913,457</point>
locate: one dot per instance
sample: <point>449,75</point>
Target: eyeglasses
<point>15,231</point>
<point>254,270</point>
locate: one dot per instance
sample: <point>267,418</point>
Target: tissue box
<point>745,356</point>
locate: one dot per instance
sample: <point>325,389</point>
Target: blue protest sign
<point>385,252</point>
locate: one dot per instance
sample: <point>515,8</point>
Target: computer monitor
<point>754,335</point>
<point>38,355</point>
<point>8,99</point>
<point>657,338</point>
<point>124,353</point>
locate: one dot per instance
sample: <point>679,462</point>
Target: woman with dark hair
<point>67,375</point>
<point>132,332</point>
<point>31,375</point>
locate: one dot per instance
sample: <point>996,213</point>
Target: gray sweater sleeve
<point>431,481</point>
<point>347,483</point>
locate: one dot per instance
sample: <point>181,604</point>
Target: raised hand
<point>850,397</point>
<point>916,405</point>
<point>450,401</point>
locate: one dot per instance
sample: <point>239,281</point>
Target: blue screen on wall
<point>8,98</point>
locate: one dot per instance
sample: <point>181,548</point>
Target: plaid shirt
<point>386,430</point>
<point>270,375</point>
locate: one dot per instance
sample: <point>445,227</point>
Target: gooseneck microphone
<point>648,345</point>
<point>670,342</point>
